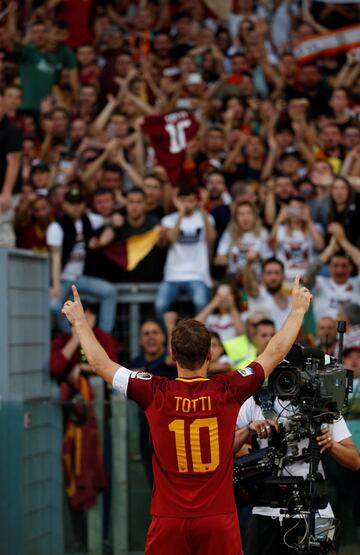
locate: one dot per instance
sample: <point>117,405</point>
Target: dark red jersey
<point>170,135</point>
<point>192,426</point>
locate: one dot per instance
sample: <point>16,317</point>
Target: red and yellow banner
<point>327,44</point>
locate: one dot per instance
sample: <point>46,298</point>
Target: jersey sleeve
<point>137,386</point>
<point>54,235</point>
<point>170,220</point>
<point>246,381</point>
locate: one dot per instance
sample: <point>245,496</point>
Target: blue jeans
<point>169,291</point>
<point>102,291</point>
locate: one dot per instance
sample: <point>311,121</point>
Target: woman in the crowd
<point>339,103</point>
<point>244,233</point>
<point>220,361</point>
<point>344,208</point>
<point>295,238</point>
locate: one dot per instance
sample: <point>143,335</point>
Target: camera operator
<point>268,526</point>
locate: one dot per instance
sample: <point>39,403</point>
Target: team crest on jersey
<point>246,371</point>
<point>141,375</point>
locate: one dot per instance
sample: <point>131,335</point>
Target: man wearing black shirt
<point>10,160</point>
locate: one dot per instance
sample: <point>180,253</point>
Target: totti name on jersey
<point>183,404</point>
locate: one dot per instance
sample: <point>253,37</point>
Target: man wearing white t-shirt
<point>190,232</point>
<point>331,293</point>
<point>71,260</point>
<point>266,527</point>
<point>268,296</point>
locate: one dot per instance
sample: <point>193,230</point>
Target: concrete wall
<point>24,325</point>
<point>31,504</point>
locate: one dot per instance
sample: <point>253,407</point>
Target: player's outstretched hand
<point>74,310</point>
<point>301,296</point>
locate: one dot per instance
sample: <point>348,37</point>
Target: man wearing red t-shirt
<point>192,424</point>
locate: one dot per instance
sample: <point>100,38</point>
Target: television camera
<point>316,387</point>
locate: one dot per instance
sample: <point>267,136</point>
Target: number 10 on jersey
<point>193,431</point>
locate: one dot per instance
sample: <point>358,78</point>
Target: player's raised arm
<point>280,344</point>
<point>96,355</point>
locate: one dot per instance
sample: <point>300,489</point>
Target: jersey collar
<point>193,379</point>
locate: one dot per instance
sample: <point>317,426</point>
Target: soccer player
<point>192,425</point>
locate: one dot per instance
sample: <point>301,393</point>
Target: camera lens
<point>286,382</point>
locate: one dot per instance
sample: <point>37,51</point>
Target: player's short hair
<point>190,344</point>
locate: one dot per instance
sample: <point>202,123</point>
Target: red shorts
<point>209,535</point>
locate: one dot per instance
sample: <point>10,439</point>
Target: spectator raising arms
<point>340,288</point>
<point>190,233</point>
<point>244,233</point>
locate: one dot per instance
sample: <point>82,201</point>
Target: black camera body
<point>320,386</point>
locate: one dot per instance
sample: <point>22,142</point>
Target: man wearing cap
<point>72,261</point>
<point>39,177</point>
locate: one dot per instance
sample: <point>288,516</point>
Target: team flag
<point>129,252</point>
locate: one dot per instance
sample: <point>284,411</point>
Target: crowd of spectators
<point>127,102</point>
<point>206,131</point>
